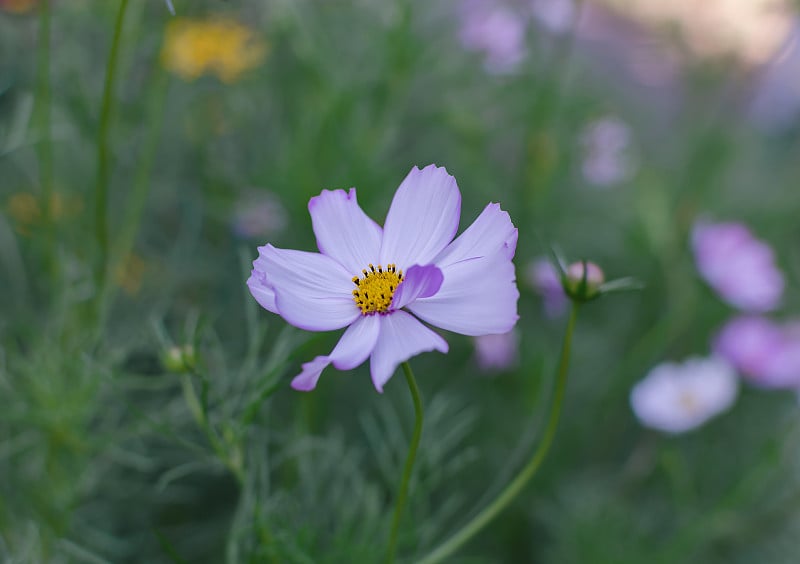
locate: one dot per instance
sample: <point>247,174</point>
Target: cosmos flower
<point>380,282</point>
<point>607,147</point>
<point>258,214</point>
<point>766,353</point>
<point>496,31</point>
<point>679,397</point>
<point>739,267</point>
<point>497,352</point>
<point>543,277</point>
<point>224,48</point>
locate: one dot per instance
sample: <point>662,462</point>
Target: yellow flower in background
<point>17,6</point>
<point>26,210</point>
<point>223,48</point>
<point>130,273</point>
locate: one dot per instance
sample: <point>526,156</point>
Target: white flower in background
<point>495,353</point>
<point>554,15</point>
<point>679,397</point>
<point>607,156</point>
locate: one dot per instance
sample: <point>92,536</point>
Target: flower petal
<point>357,343</point>
<point>401,337</point>
<point>478,297</point>
<point>422,219</point>
<point>419,282</point>
<point>353,348</point>
<point>308,378</point>
<point>344,232</point>
<point>260,287</point>
<point>312,291</point>
<point>491,232</point>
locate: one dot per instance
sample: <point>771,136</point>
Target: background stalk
<point>45,144</point>
<point>103,161</point>
<point>517,484</point>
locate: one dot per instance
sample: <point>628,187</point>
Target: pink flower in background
<point>259,214</point>
<point>679,397</point>
<point>497,352</point>
<point>739,267</point>
<point>372,279</point>
<point>495,31</point>
<point>544,279</point>
<point>607,147</point>
<point>767,354</point>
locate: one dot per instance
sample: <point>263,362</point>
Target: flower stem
<point>45,146</point>
<point>103,165</point>
<point>513,489</point>
<point>402,494</point>
<point>131,221</point>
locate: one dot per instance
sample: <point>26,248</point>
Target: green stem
<point>517,484</point>
<point>45,146</point>
<point>402,494</point>
<point>135,206</point>
<point>222,449</point>
<point>103,165</point>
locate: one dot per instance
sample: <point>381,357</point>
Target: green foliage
<point>113,449</point>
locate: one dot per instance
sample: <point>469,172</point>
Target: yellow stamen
<point>374,292</point>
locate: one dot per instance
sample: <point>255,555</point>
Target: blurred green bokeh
<point>109,454</point>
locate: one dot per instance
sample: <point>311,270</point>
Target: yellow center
<point>375,290</point>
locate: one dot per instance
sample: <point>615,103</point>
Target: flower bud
<point>583,281</point>
<point>179,359</point>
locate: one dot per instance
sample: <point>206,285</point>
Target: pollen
<point>376,287</point>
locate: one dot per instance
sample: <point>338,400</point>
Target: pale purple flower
<point>372,279</point>
<point>545,280</point>
<point>494,30</point>
<point>679,397</point>
<point>497,352</point>
<point>258,214</point>
<point>607,152</point>
<point>767,354</point>
<point>555,15</point>
<point>739,267</point>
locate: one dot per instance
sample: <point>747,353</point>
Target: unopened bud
<point>584,280</point>
<point>179,359</point>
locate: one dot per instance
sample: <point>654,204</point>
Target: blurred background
<point>145,411</point>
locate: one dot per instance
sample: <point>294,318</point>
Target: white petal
<point>422,219</point>
<point>312,291</point>
<point>401,337</point>
<point>478,297</point>
<point>491,232</point>
<point>344,232</point>
<point>260,287</point>
<point>357,343</point>
<point>308,378</point>
<point>419,282</point>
